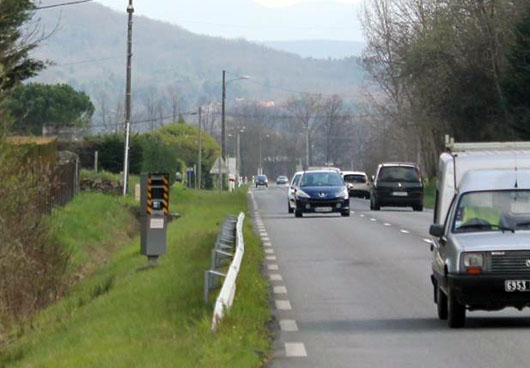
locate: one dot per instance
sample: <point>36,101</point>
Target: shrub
<point>32,264</point>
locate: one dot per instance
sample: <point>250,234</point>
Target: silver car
<point>291,200</point>
<point>481,254</point>
<point>357,183</point>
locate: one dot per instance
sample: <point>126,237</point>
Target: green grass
<point>429,193</point>
<point>111,223</point>
<point>128,316</point>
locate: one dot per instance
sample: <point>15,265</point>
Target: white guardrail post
<point>228,290</point>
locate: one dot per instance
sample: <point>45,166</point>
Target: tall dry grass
<point>32,264</point>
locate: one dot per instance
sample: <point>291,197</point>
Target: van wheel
<point>418,208</point>
<point>345,213</point>
<point>298,213</point>
<point>289,208</point>
<point>456,312</point>
<point>441,304</point>
<point>376,206</point>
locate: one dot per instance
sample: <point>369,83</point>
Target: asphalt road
<point>355,292</point>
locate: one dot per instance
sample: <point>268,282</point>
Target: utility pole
<point>200,150</point>
<point>238,155</point>
<point>222,130</point>
<point>307,150</point>
<point>130,10</point>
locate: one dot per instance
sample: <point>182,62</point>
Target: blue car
<point>322,192</point>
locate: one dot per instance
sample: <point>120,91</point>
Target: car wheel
<point>456,312</point>
<point>376,206</point>
<point>345,213</point>
<point>289,208</point>
<point>418,208</point>
<point>441,303</point>
<point>298,213</point>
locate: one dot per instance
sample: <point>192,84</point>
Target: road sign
<point>215,167</point>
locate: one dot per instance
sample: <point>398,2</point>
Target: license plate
<point>517,285</point>
<point>323,209</point>
<point>399,194</point>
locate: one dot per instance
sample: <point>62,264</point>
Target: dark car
<point>399,185</point>
<point>322,192</point>
<point>282,180</point>
<point>262,180</point>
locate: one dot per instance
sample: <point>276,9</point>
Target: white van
<point>481,230</point>
<point>463,157</point>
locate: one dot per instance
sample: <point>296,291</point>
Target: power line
<point>86,61</point>
<point>62,4</point>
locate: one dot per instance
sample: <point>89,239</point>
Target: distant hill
<point>89,49</point>
<point>319,49</point>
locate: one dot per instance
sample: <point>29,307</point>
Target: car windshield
<point>296,179</point>
<point>355,178</point>
<point>404,174</point>
<point>507,210</point>
<point>321,179</point>
<point>262,177</point>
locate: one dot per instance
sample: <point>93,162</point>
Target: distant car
<point>261,180</point>
<point>322,191</point>
<point>282,180</point>
<point>357,183</point>
<point>291,200</point>
<point>397,184</point>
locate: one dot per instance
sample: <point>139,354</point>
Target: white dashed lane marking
<point>265,239</point>
<point>271,258</point>
<point>267,244</point>
<point>373,220</point>
<point>269,251</point>
<point>283,305</point>
<point>387,224</point>
<point>276,277</point>
<point>279,290</point>
<point>404,231</point>
<point>272,267</point>
<point>428,241</point>
<point>295,349</point>
<point>288,325</point>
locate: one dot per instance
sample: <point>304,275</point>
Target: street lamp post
<point>260,168</point>
<point>225,82</point>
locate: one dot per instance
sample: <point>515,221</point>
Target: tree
<point>36,104</point>
<point>516,82</point>
<point>15,46</point>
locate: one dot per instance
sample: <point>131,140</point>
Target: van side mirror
<point>436,230</point>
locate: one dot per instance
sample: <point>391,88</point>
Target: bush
<point>110,149</point>
<point>32,264</point>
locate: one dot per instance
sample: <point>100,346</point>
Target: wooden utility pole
<point>130,10</point>
<point>199,160</point>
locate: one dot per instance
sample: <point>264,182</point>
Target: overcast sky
<point>257,20</point>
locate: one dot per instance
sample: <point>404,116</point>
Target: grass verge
<point>124,315</point>
<point>429,193</point>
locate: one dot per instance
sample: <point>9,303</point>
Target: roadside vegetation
<point>123,314</point>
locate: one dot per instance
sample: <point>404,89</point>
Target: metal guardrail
<point>228,245</point>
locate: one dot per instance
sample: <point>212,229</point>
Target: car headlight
<point>473,262</point>
<point>300,193</point>
<point>343,193</point>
